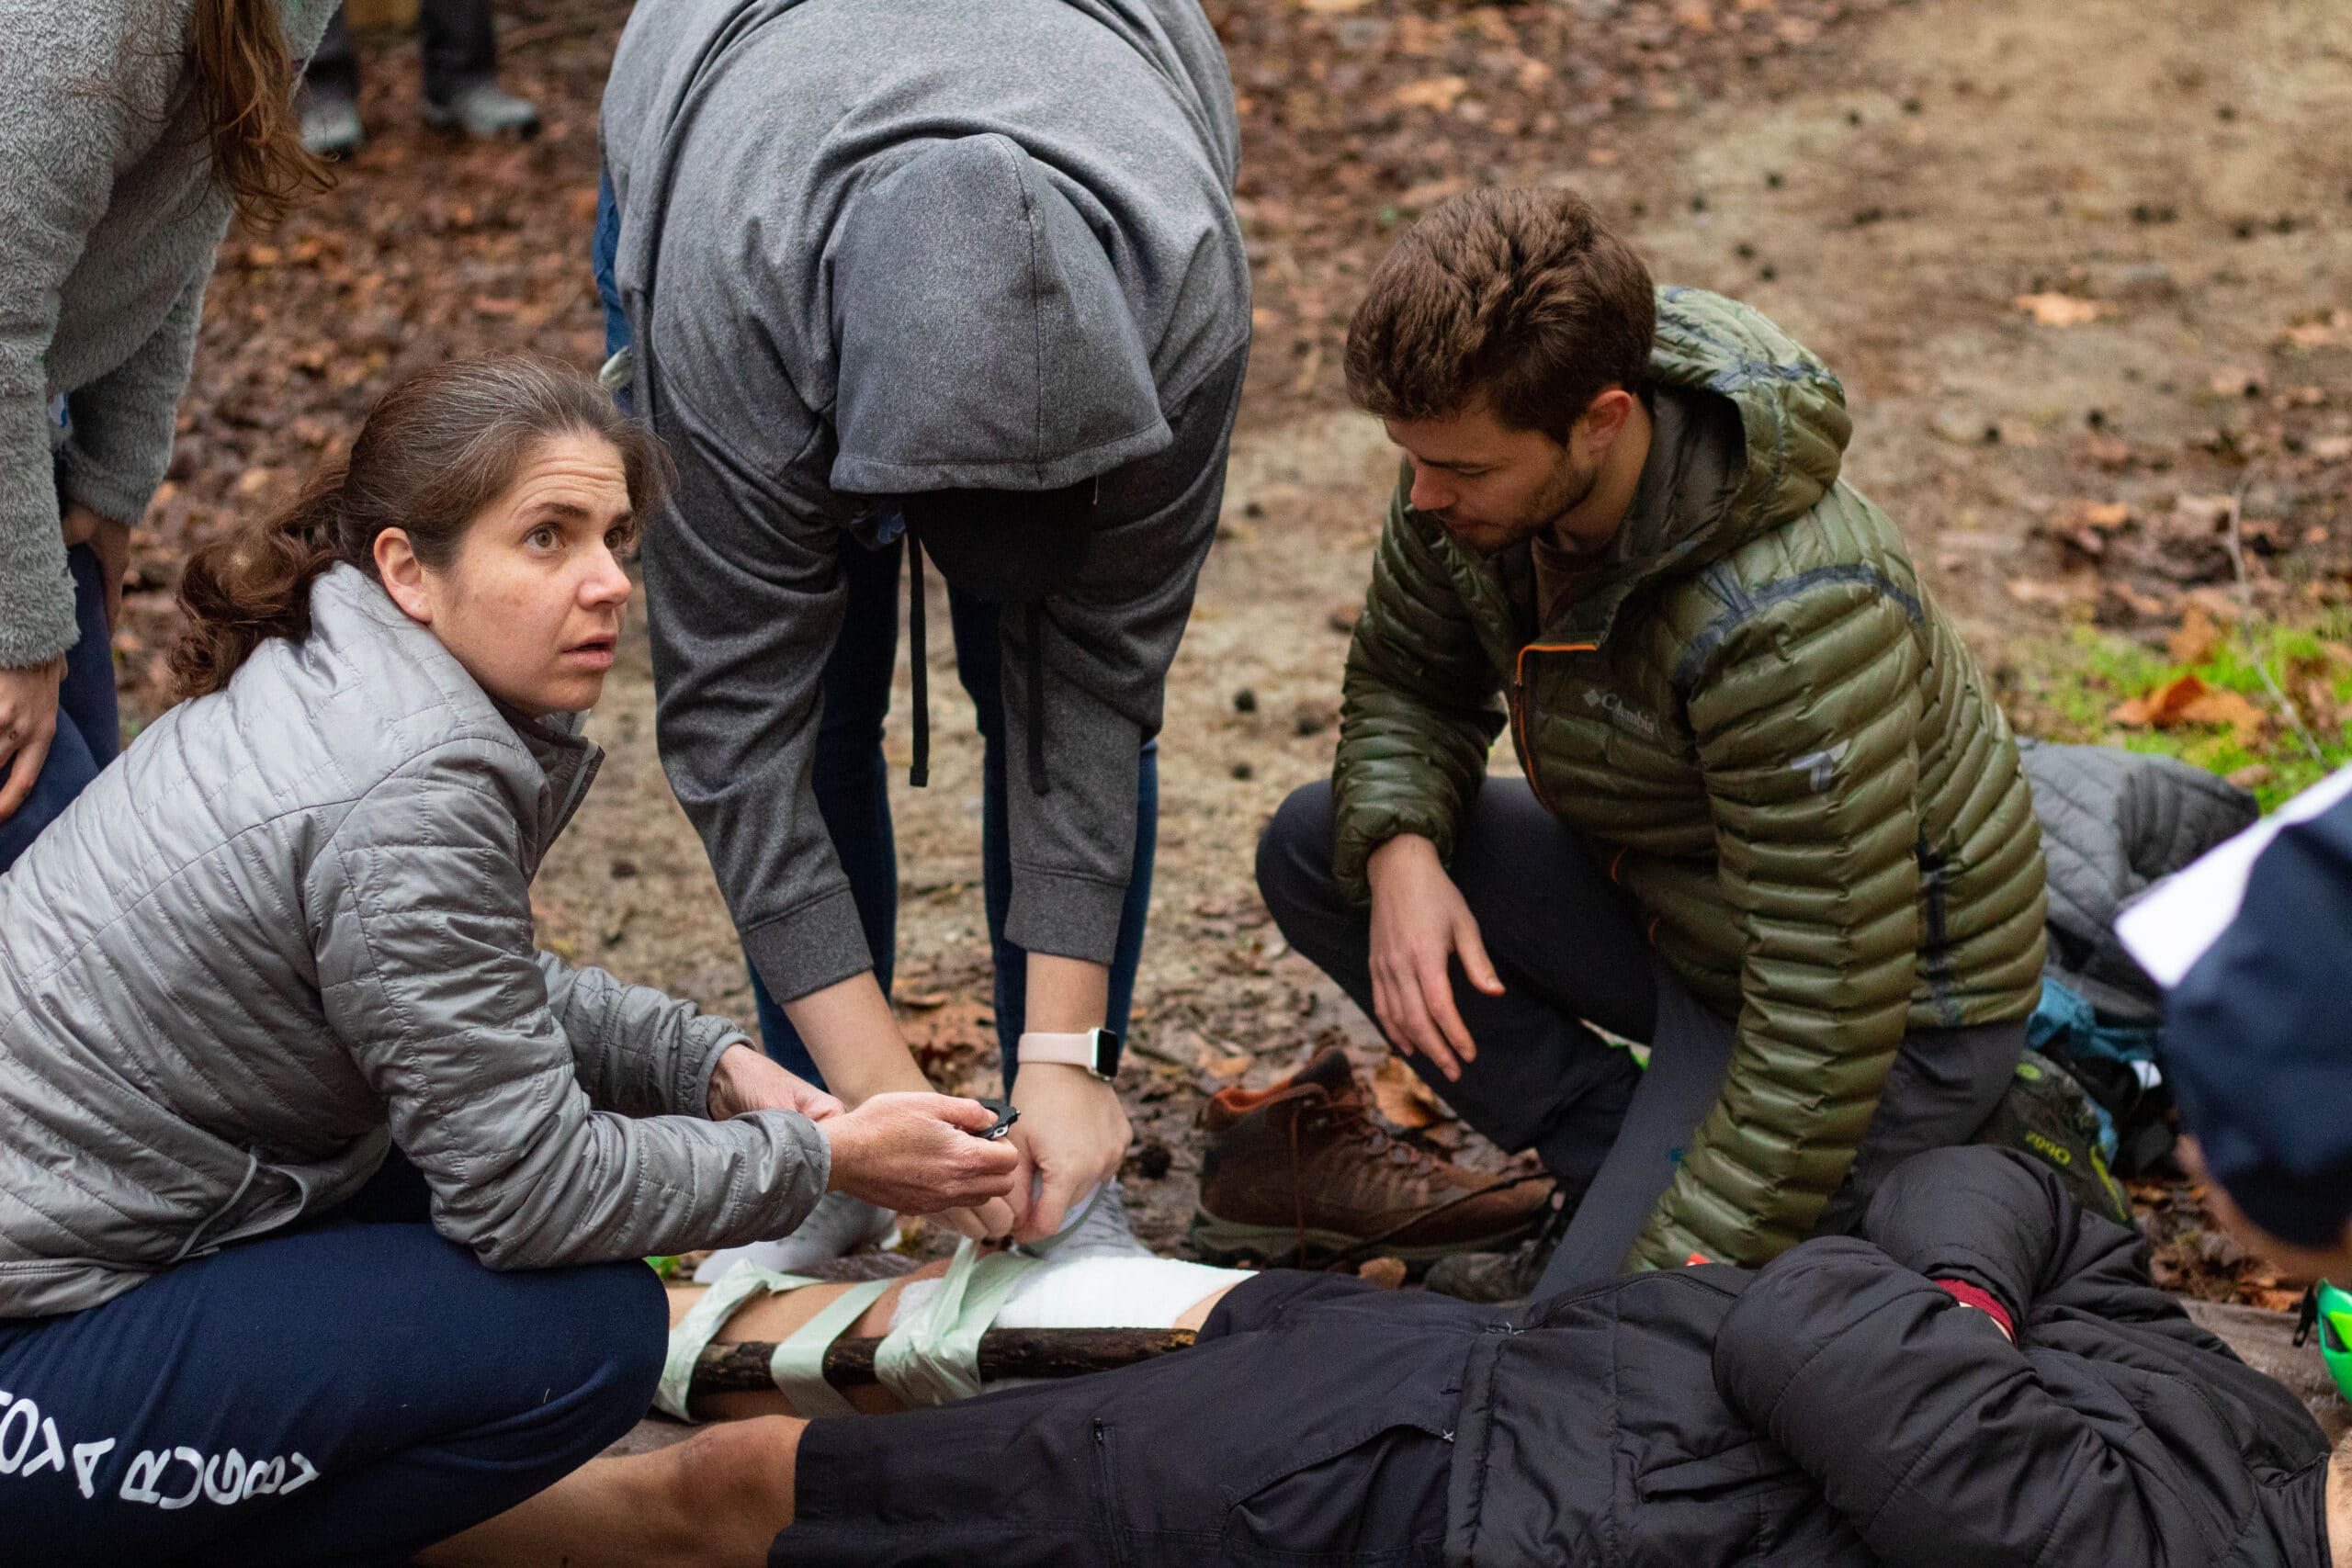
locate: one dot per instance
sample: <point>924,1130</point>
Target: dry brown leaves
<point>1398,1093</point>
<point>2187,700</point>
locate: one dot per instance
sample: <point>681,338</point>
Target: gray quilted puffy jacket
<point>291,928</point>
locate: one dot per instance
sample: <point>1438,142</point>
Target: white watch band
<point>1072,1049</point>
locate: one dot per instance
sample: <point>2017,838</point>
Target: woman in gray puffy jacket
<point>321,1189</point>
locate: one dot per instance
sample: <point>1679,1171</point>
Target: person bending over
<point>1772,821</point>
<point>1984,1377</point>
<point>928,280</point>
<point>326,1192</point>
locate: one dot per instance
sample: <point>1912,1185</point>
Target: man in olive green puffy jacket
<point>1772,822</point>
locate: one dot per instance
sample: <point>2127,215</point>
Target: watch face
<point>1107,1050</point>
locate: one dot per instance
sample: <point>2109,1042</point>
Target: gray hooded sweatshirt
<point>108,224</point>
<point>289,928</point>
<point>876,247</point>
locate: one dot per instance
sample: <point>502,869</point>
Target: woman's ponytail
<point>244,81</point>
<point>240,591</point>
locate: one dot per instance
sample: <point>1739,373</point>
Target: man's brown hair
<point>1522,298</point>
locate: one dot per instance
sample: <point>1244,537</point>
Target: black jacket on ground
<point>1839,1407</point>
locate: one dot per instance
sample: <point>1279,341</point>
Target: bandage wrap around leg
<point>930,1354</point>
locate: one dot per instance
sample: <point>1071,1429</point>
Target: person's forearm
<point>857,1045</point>
<point>1066,996</point>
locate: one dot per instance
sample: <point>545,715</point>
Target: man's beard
<point>1566,488</point>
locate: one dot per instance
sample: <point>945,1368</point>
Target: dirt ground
<point>1886,180</point>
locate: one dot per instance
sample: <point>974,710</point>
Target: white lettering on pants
<point>30,1444</point>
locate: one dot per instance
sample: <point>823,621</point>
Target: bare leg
<point>715,1501</point>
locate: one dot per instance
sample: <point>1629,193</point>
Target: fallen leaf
<point>2187,700</point>
<point>1439,92</point>
<point>2059,309</point>
<point>1216,1061</point>
<point>2324,328</point>
<point>2195,641</point>
<point>1398,1093</point>
<point>1332,7</point>
<point>2253,775</point>
<point>2163,707</point>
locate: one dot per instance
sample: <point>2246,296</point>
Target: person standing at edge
<point>1773,823</point>
<point>968,279</point>
<point>118,200</point>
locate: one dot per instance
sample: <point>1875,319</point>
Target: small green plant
<point>2072,688</point>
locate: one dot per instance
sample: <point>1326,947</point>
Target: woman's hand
<point>1420,922</point>
<point>1072,1134</point>
<point>110,541</point>
<point>915,1153</point>
<point>28,723</point>
<point>746,1080</point>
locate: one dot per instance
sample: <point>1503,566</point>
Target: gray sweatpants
<point>1568,946</point>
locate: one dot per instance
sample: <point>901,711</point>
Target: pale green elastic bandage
<point>933,1356</point>
<point>704,1319</point>
<point>798,1365</point>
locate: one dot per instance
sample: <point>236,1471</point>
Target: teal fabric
<point>798,1367</point>
<point>932,1355</point>
<point>704,1320</point>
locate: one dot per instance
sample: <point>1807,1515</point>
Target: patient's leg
<point>1058,1294</point>
<point>718,1499</point>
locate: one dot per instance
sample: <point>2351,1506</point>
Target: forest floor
<point>2085,271</point>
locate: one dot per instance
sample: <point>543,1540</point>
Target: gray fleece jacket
<point>291,928</point>
<point>876,247</point>
<point>107,230</point>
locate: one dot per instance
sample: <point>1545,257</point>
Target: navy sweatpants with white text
<point>347,1393</point>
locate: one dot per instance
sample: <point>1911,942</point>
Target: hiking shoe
<point>2046,1114</point>
<point>331,127</point>
<point>1299,1171</point>
<point>481,110</point>
<point>837,1227</point>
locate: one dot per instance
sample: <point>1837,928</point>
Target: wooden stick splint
<point>742,1367</point>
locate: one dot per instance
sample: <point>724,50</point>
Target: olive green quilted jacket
<point>1768,731</point>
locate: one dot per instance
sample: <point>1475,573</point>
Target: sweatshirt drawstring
<point>919,770</point>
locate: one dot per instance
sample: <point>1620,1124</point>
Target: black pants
<point>456,38</point>
<point>1568,946</point>
<point>1312,1425</point>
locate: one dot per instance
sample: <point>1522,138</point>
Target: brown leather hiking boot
<point>1299,1171</point>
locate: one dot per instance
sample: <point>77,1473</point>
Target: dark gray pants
<point>1568,946</point>
<point>457,40</point>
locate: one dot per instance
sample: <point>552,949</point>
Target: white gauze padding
<point>1119,1291</point>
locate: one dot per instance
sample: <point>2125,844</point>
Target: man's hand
<point>746,1080</point>
<point>1072,1134</point>
<point>28,723</point>
<point>915,1153</point>
<point>110,541</point>
<point>1419,921</point>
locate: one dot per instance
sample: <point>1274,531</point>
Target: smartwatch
<point>1096,1050</point>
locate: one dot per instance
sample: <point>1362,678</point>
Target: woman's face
<point>531,606</point>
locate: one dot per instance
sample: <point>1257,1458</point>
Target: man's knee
<point>1294,854</point>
